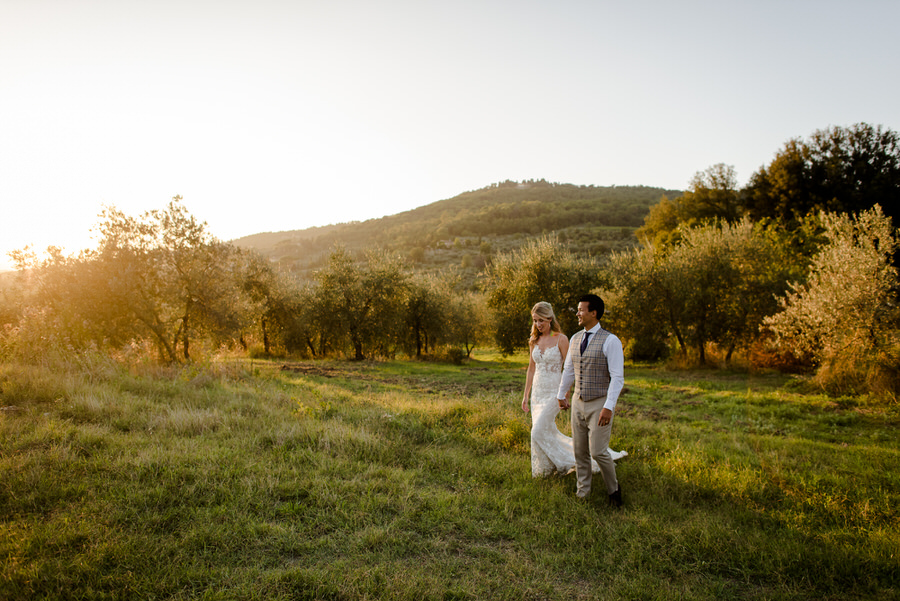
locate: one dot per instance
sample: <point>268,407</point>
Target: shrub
<point>846,316</point>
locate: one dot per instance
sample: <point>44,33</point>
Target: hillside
<point>467,229</point>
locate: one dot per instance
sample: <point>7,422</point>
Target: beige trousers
<point>590,440</point>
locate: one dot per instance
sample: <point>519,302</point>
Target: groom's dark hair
<point>595,303</point>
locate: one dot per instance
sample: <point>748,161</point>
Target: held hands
<point>563,404</point>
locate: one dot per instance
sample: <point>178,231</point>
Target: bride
<point>551,450</point>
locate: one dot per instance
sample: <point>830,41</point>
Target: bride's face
<point>541,325</point>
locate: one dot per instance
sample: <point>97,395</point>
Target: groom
<point>595,363</point>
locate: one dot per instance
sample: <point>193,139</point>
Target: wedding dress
<point>551,450</point>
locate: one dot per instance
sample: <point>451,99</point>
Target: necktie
<point>584,341</point>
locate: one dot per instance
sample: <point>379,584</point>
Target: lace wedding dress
<point>551,450</point>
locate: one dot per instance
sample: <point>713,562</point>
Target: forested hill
<point>590,219</point>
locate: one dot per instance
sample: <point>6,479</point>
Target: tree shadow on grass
<point>751,542</point>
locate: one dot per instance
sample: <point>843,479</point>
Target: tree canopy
<point>160,278</point>
<point>838,169</point>
<point>845,316</point>
<point>540,271</point>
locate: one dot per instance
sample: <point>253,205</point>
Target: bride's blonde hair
<point>544,310</point>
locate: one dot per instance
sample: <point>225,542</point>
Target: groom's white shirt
<point>615,359</point>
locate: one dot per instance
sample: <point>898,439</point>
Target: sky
<point>274,115</point>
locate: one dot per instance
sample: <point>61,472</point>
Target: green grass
<point>411,480</point>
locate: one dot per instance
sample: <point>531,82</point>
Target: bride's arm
<point>529,378</point>
<point>563,346</point>
<point>564,350</point>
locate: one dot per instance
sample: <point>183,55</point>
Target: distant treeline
<point>797,270</point>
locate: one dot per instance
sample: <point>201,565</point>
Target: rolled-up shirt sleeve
<point>615,360</point>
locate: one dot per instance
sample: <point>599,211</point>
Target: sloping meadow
<point>411,480</point>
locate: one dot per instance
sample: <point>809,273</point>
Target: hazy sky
<point>275,115</point>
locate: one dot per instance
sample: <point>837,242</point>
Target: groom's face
<point>587,319</point>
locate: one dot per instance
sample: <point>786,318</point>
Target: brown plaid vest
<point>591,369</point>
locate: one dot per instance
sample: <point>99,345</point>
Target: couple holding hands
<point>594,362</point>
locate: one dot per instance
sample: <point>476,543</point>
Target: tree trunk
<point>185,338</point>
<point>729,353</point>
<point>470,346</point>
<point>418,340</point>
<point>357,344</point>
<point>701,337</point>
<point>166,351</point>
<point>677,332</point>
<point>185,331</point>
<point>176,337</point>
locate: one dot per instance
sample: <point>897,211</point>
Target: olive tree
<point>468,321</point>
<point>713,287</point>
<point>160,277</point>
<point>542,270</point>
<point>171,277</point>
<point>644,288</point>
<point>846,315</point>
<point>363,301</point>
<point>280,312</point>
<point>426,303</point>
<point>733,274</point>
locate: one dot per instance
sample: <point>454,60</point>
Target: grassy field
<point>411,480</point>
